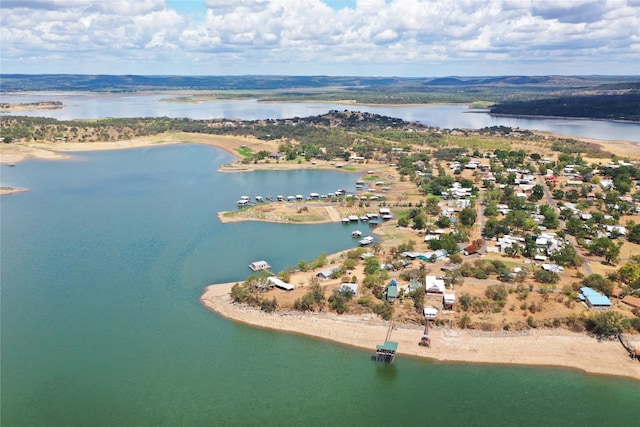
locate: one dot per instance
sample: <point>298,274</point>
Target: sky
<point>404,38</point>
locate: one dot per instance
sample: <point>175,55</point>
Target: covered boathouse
<point>386,352</point>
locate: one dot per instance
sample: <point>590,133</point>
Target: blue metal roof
<point>598,300</point>
<point>586,291</point>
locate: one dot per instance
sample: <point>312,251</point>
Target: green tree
<point>317,292</point>
<point>339,300</point>
<point>612,255</point>
<point>443,222</point>
<point>544,276</point>
<point>371,265</point>
<point>537,193</point>
<point>630,272</point>
<point>600,246</point>
<point>598,283</point>
<point>567,256</point>
<point>447,242</point>
<point>419,223</point>
<point>606,323</point>
<point>633,232</point>
<point>468,216</point>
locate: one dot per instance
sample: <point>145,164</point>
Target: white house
<point>448,301</point>
<point>275,281</point>
<point>433,285</point>
<point>430,313</point>
<point>617,229</point>
<point>327,272</point>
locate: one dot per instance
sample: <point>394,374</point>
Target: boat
<point>366,241</point>
<point>356,233</point>
<point>259,265</point>
<point>345,220</point>
<point>353,218</point>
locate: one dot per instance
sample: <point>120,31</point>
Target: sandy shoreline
<point>17,152</point>
<point>11,190</point>
<point>539,347</point>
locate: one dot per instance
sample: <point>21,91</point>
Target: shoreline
<point>538,347</point>
<point>17,152</point>
<point>557,347</point>
<point>5,191</point>
<point>534,116</point>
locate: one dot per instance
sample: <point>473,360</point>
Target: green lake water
<point>102,265</point>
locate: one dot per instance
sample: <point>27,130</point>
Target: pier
<point>387,352</point>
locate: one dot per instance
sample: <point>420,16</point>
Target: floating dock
<point>259,265</point>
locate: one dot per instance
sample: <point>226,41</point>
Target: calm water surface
<point>103,262</point>
<point>96,106</point>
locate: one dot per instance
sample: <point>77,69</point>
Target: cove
<point>104,260</point>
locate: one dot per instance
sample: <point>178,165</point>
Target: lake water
<point>95,106</point>
<point>104,260</point>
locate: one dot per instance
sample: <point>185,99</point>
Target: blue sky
<point>414,38</point>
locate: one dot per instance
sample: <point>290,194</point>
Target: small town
<point>494,241</point>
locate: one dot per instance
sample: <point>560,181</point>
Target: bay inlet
<point>104,260</point>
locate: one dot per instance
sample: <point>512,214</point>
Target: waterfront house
<point>275,281</point>
<point>433,285</point>
<point>391,291</point>
<point>594,299</point>
<point>430,313</point>
<point>327,272</point>
<point>554,268</point>
<point>449,301</point>
<point>353,287</point>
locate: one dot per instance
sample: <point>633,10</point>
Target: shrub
<point>606,324</point>
<point>339,300</point>
<point>465,301</point>
<point>496,292</point>
<point>544,276</point>
<point>384,310</point>
<point>465,321</point>
<point>269,305</point>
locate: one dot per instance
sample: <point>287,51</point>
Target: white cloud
<point>309,35</point>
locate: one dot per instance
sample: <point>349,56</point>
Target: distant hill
<point>621,106</point>
<point>560,81</point>
<point>120,83</point>
<point>132,83</point>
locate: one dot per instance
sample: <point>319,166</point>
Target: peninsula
<point>468,208</point>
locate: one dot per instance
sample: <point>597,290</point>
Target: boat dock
<point>387,352</point>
